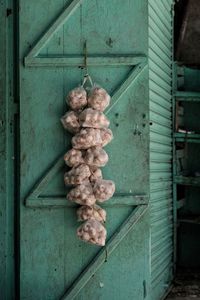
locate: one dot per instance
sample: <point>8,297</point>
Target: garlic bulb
<point>87,138</point>
<point>70,122</point>
<point>77,98</point>
<point>96,157</point>
<point>91,212</point>
<point>106,136</point>
<point>103,190</point>
<point>93,118</point>
<point>92,231</point>
<point>82,194</point>
<point>73,158</point>
<point>96,174</point>
<point>77,175</point>
<point>98,99</point>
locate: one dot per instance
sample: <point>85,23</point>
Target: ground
<point>186,285</point>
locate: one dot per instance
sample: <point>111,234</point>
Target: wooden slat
<point>78,61</point>
<point>60,202</point>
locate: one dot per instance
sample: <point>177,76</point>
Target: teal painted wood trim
<point>187,136</point>
<point>61,202</point>
<point>40,187</point>
<point>135,73</point>
<point>63,17</point>
<point>102,256</point>
<point>78,61</point>
<point>7,274</point>
<point>187,140</point>
<point>193,181</point>
<point>187,96</point>
<point>58,164</point>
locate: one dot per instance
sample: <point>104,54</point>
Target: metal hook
<point>86,76</point>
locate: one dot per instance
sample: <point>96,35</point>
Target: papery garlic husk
<point>82,194</point>
<point>87,138</point>
<point>77,98</point>
<point>92,231</point>
<point>74,157</point>
<point>93,118</point>
<point>98,99</point>
<point>70,122</point>
<point>96,157</point>
<point>106,136</point>
<point>103,190</point>
<point>77,175</point>
<point>96,174</point>
<point>91,212</point>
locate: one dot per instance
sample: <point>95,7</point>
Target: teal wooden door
<point>53,262</point>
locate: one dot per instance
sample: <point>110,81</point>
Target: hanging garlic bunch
<point>89,124</point>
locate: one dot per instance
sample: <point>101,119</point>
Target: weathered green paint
<point>97,61</point>
<point>59,21</point>
<point>52,258</point>
<point>53,262</point>
<point>104,254</point>
<point>7,110</point>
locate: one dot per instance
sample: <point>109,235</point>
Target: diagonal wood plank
<point>33,59</point>
<point>137,70</point>
<point>106,251</point>
<point>63,17</point>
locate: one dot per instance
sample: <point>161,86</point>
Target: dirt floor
<point>186,285</point>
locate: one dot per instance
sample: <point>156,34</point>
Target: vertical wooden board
<point>42,240</point>
<point>7,110</point>
<point>3,133</point>
<point>42,254</point>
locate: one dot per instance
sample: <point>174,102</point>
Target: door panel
<point>52,35</point>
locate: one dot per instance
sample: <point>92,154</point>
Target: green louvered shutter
<point>160,97</point>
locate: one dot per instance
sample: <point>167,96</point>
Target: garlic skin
<point>74,157</point>
<point>96,174</point>
<point>103,190</point>
<point>92,231</point>
<point>98,99</point>
<point>96,157</point>
<point>87,138</point>
<point>93,118</point>
<point>70,122</point>
<point>77,175</point>
<point>106,136</point>
<point>82,194</point>
<point>91,212</point>
<point>77,98</point>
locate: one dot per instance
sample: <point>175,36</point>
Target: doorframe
<point>8,158</point>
